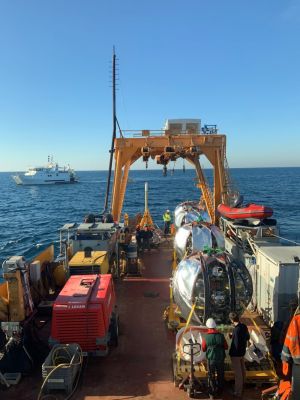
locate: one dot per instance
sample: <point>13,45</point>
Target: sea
<point>30,216</point>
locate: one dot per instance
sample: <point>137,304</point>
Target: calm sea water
<point>32,215</point>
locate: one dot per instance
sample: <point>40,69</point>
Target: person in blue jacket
<point>237,351</point>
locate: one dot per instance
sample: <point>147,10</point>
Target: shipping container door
<point>273,292</point>
<point>288,288</point>
<point>264,289</point>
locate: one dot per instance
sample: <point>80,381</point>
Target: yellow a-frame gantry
<point>165,147</point>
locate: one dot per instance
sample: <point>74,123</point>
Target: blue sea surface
<point>32,215</point>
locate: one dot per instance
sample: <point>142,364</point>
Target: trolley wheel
<point>176,380</point>
<point>114,330</point>
<point>190,392</point>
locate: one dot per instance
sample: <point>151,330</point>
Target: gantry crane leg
<point>123,159</point>
<point>123,186</point>
<point>203,185</point>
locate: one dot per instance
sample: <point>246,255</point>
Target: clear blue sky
<point>233,63</point>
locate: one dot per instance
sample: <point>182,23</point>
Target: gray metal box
<point>63,377</point>
<point>277,276</point>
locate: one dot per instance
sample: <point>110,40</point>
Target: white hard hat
<point>211,323</point>
<point>168,210</point>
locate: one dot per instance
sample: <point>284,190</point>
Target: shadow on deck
<point>140,367</point>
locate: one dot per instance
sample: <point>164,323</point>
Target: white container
<point>182,126</point>
<point>277,276</point>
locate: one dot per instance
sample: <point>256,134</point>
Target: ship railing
<point>135,133</point>
<point>131,133</point>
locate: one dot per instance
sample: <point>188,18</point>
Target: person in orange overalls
<point>290,354</point>
<point>283,391</point>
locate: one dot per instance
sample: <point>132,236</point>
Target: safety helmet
<point>167,211</point>
<point>211,323</point>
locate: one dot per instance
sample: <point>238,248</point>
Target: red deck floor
<point>140,367</point>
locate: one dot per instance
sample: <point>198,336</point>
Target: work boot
<point>235,395</point>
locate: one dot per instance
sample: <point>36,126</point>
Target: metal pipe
<point>146,196</point>
<point>114,131</point>
<point>67,269</point>
<point>60,242</point>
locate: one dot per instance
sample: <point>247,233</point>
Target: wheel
<point>114,330</point>
<point>176,380</point>
<point>191,392</point>
<point>46,390</point>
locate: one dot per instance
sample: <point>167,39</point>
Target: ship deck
<point>140,367</point>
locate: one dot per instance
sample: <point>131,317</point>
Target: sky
<point>228,62</point>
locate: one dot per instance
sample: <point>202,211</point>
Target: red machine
<point>85,313</point>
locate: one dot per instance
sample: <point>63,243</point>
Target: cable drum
<point>132,251</point>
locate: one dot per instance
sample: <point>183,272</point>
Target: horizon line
<point>158,169</point>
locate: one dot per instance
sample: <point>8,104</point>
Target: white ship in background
<point>49,174</point>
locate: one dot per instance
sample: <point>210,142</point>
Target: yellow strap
<point>255,324</point>
<point>190,317</point>
<point>186,327</point>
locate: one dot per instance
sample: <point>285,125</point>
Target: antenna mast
<point>114,130</point>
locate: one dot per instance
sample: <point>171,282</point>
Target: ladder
<point>207,194</point>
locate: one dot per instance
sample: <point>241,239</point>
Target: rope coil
<point>60,361</point>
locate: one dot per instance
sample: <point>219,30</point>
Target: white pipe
<point>146,196</point>
<point>60,242</point>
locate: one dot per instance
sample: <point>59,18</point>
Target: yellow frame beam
<point>128,150</point>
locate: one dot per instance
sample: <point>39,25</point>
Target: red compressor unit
<point>85,313</point>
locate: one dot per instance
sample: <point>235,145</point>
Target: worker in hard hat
<point>143,238</point>
<point>138,237</point>
<point>214,344</point>
<point>148,235</point>
<point>167,222</point>
<point>290,354</point>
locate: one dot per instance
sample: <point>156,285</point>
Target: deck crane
<point>164,146</point>
<point>179,139</point>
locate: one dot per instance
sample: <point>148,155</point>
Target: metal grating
<point>93,269</point>
<point>83,327</point>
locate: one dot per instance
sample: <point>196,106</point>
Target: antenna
<point>114,129</point>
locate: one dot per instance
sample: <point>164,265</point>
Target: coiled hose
<point>60,362</point>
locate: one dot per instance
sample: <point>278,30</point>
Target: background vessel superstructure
<point>49,174</point>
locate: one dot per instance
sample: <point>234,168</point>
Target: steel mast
<point>114,130</point>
